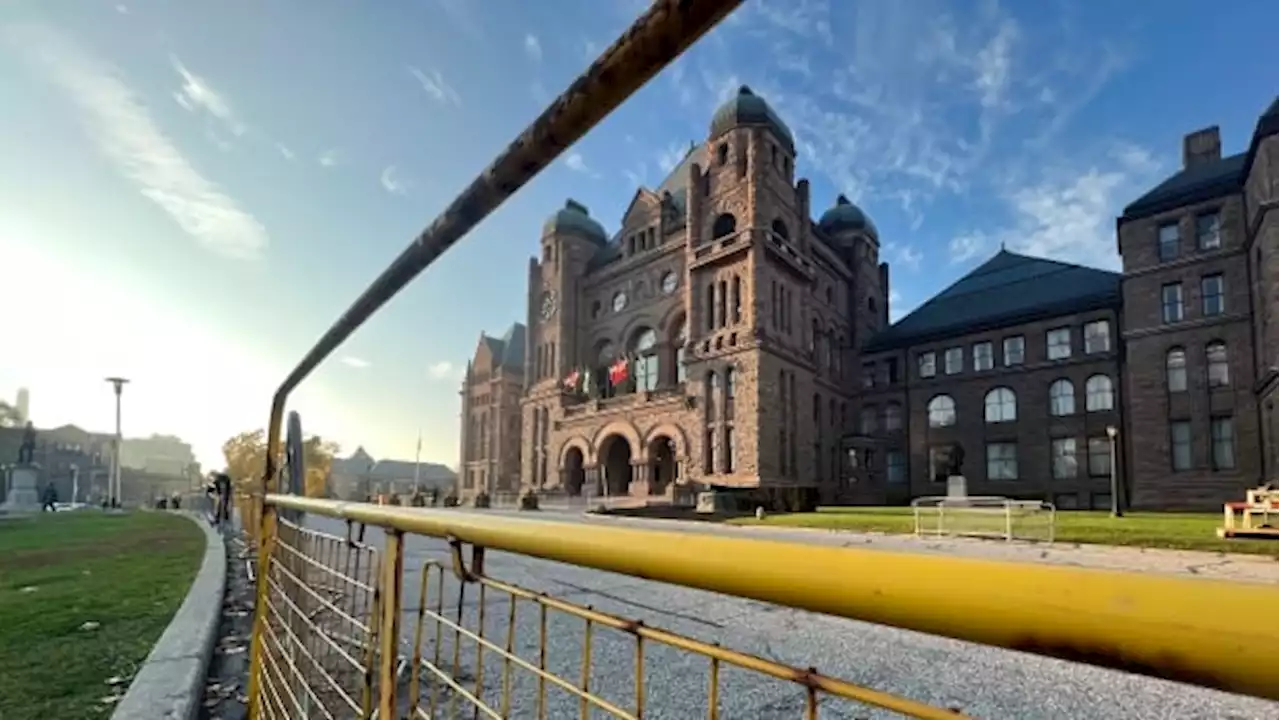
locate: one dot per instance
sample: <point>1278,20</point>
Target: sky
<point>191,193</point>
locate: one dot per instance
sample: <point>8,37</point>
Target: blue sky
<point>190,193</point>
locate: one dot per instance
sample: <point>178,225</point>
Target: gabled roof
<point>1009,289</point>
<point>507,351</point>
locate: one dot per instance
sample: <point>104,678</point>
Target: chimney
<point>1201,146</point>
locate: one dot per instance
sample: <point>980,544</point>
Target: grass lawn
<point>1176,531</point>
<point>128,573</point>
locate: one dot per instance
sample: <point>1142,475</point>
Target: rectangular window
<point>1097,337</point>
<point>709,453</point>
<point>1169,241</point>
<point>1099,457</point>
<point>728,449</point>
<point>1014,351</point>
<point>953,361</point>
<point>867,420</point>
<point>1223,431</point>
<point>1002,461</point>
<point>895,467</point>
<point>1058,342</point>
<point>1213,300</point>
<point>928,365</point>
<point>1180,440</point>
<point>892,367</point>
<point>868,375</point>
<point>1209,230</point>
<point>1171,302</point>
<point>1065,464</point>
<point>982,356</point>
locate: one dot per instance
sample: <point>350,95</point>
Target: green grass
<point>1174,531</point>
<point>128,573</point>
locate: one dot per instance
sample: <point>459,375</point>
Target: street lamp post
<point>1112,434</point>
<point>114,489</point>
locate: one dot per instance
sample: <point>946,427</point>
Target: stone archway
<point>662,465</point>
<point>615,465</point>
<point>620,429</point>
<point>574,471</point>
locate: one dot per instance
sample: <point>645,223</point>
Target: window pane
<point>953,360</point>
<point>1209,231</point>
<point>1212,298</point>
<point>982,359</point>
<point>942,411</point>
<point>1169,241</point>
<point>1097,337</point>
<point>1059,343</point>
<point>1065,464</point>
<point>1002,461</point>
<point>1176,370</point>
<point>1062,398</point>
<point>1219,371</point>
<point>1098,394</point>
<point>1180,438</point>
<point>1013,351</point>
<point>927,368</point>
<point>1171,302</point>
<point>895,467</point>
<point>1224,443</point>
<point>1099,457</point>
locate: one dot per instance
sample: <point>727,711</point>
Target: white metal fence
<point>984,516</point>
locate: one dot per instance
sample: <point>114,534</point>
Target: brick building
<point>492,391</point>
<point>722,338</point>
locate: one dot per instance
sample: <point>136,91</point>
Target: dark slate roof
<point>1009,289</point>
<point>508,350</point>
<point>747,108</point>
<point>845,216</point>
<point>1197,183</point>
<point>1205,181</point>
<point>574,217</point>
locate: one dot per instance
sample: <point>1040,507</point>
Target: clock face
<point>619,301</point>
<point>548,305</point>
<point>669,282</point>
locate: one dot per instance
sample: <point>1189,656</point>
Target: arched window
<point>1175,370</point>
<point>1062,398</point>
<point>735,304</point>
<point>893,416</point>
<point>780,229</point>
<point>725,224</point>
<point>942,411</point>
<point>606,354</point>
<point>1001,405</point>
<point>1098,394</point>
<point>645,350</point>
<point>728,393</point>
<point>1215,354</point>
<point>713,394</point>
<point>813,337</point>
<point>678,340</point>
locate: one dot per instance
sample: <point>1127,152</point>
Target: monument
<point>957,486</point>
<point>23,496</point>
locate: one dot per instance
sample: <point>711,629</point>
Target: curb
<point>170,682</point>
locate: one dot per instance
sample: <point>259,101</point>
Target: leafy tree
<point>9,415</point>
<point>246,455</point>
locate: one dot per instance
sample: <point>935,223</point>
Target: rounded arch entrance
<point>665,451</point>
<point>573,465</point>
<point>615,465</point>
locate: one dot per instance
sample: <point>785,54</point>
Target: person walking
<point>219,490</point>
<point>49,499</point>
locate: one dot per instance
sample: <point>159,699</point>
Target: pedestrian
<point>49,499</point>
<point>219,490</point>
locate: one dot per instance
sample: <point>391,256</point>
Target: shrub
<point>529,501</point>
<point>451,500</point>
<point>482,500</point>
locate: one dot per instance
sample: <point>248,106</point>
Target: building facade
<point>721,338</point>
<point>492,393</point>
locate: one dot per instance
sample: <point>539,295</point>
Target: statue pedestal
<point>957,487</point>
<point>23,497</point>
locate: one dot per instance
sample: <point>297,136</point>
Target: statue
<point>27,450</point>
<point>956,464</point>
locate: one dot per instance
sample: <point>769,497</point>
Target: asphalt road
<point>982,682</point>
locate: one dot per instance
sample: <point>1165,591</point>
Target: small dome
<point>846,217</point>
<point>574,218</point>
<point>747,108</point>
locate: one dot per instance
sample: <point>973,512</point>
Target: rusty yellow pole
<point>389,632</point>
<point>266,546</point>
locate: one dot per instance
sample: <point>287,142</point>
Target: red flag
<point>618,371</point>
<point>571,381</point>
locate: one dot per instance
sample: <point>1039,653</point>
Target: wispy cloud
<point>354,362</point>
<point>532,47</point>
<point>284,151</point>
<point>965,247</point>
<point>196,95</point>
<point>328,158</point>
<point>122,9</point>
<point>575,162</point>
<point>392,182</point>
<point>444,370</point>
<point>435,86</point>
<point>124,131</point>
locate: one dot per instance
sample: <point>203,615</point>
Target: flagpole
<point>417,461</point>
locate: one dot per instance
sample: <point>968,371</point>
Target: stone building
<point>492,392</point>
<point>722,338</point>
<point>699,342</point>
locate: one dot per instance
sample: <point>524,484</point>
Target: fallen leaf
<point>90,625</point>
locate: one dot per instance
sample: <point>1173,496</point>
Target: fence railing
<point>985,517</point>
<point>348,626</point>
